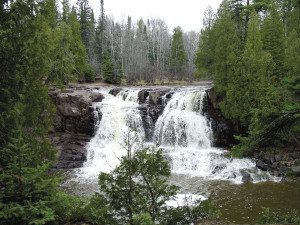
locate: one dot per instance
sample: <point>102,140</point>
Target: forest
<point>250,50</point>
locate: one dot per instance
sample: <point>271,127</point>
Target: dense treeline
<point>251,51</point>
<point>141,50</point>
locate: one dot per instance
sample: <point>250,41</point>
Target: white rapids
<point>182,132</point>
<point>120,118</point>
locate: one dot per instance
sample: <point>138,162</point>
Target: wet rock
<point>261,165</point>
<point>278,158</point>
<point>148,124</point>
<point>74,111</point>
<point>143,94</point>
<point>232,176</point>
<point>96,97</point>
<point>115,91</point>
<point>223,130</point>
<point>155,112</point>
<point>296,169</point>
<point>218,168</point>
<point>276,173</point>
<point>246,177</point>
<point>72,150</point>
<point>155,96</point>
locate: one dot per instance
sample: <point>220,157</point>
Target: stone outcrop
<point>74,110</point>
<point>72,151</point>
<point>115,91</point>
<point>222,129</point>
<point>279,162</point>
<point>153,102</point>
<point>74,124</point>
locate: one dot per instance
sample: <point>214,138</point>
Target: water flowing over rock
<point>173,119</point>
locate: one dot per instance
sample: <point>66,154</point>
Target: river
<point>185,136</point>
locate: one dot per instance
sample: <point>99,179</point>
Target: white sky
<point>187,14</point>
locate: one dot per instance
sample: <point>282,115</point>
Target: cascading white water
<point>185,136</point>
<point>182,131</point>
<point>120,118</point>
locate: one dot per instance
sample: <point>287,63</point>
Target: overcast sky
<point>187,14</point>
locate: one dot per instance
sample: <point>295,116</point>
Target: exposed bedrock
<point>222,129</point>
<point>152,103</point>
<point>74,124</point>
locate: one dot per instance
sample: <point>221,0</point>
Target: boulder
<point>143,94</point>
<point>296,169</point>
<point>96,97</point>
<point>155,96</point>
<point>115,91</point>
<point>261,165</point>
<point>246,177</point>
<point>74,112</point>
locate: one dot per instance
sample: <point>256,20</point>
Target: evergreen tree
<point>204,55</point>
<point>248,88</point>
<point>273,40</point>
<point>138,185</point>
<point>178,58</point>
<point>109,70</point>
<point>87,27</point>
<point>226,50</point>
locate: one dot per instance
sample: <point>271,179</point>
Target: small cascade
<point>120,118</point>
<point>185,136</point>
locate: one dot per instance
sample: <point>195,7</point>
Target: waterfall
<point>182,132</point>
<point>120,118</point>
<point>185,136</point>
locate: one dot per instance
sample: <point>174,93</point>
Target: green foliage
<point>190,215</point>
<point>249,84</point>
<point>89,74</point>
<point>97,211</point>
<point>26,191</point>
<point>178,57</point>
<point>255,69</point>
<point>273,217</point>
<point>138,185</point>
<point>204,56</point>
<point>143,219</point>
<point>110,71</point>
<point>273,41</point>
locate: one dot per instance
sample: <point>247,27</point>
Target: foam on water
<point>120,118</point>
<point>182,132</point>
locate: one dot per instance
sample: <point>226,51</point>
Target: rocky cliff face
<point>222,129</point>
<point>74,124</point>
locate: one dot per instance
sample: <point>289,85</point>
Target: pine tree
<point>249,85</point>
<point>226,50</point>
<point>109,70</point>
<point>178,58</point>
<point>273,41</point>
<point>204,55</point>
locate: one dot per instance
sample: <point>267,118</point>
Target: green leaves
<point>139,185</point>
